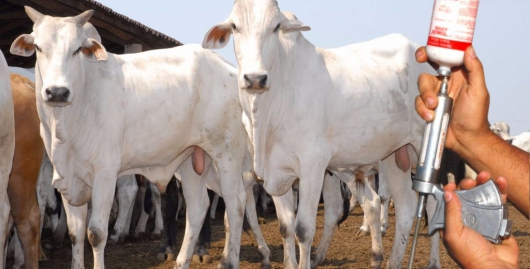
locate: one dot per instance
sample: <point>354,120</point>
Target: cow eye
<point>277,28</point>
<point>37,48</point>
<point>77,51</point>
<point>233,26</point>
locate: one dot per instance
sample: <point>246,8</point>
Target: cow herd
<point>289,113</point>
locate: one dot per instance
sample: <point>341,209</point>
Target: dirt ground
<point>346,251</point>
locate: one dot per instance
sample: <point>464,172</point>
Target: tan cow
<point>25,170</point>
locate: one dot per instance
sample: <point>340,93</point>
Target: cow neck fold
<point>270,109</point>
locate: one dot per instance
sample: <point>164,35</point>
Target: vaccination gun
<point>482,207</point>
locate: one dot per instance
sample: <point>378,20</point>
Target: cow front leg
<point>97,231</point>
<point>252,218</point>
<point>197,201</point>
<point>311,180</point>
<point>76,221</point>
<point>333,210</point>
<point>285,211</point>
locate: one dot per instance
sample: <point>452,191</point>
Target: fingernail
<point>448,196</point>
<point>430,102</point>
<point>472,53</point>
<point>429,117</point>
<point>419,53</point>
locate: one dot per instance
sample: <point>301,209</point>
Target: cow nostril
<point>248,81</point>
<point>49,94</point>
<point>262,81</point>
<point>66,94</point>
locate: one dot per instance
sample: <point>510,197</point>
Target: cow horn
<point>33,14</point>
<point>83,18</point>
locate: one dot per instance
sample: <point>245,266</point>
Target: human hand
<point>467,247</point>
<point>467,86</point>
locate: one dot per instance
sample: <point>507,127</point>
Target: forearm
<point>493,154</point>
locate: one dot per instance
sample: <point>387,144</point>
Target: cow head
<point>257,26</point>
<point>62,45</point>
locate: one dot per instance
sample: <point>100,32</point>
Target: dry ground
<point>346,251</point>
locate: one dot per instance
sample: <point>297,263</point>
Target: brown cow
<point>25,170</point>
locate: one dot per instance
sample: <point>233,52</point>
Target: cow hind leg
<point>4,219</point>
<point>252,218</point>
<point>405,200</point>
<point>201,254</point>
<point>333,209</point>
<point>311,181</point>
<point>234,195</point>
<point>127,189</point>
<point>384,196</point>
<point>434,261</point>
<point>197,201</point>
<point>26,216</point>
<point>372,213</point>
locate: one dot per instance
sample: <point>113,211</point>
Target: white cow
<point>312,108</point>
<point>522,141</point>
<point>105,115</point>
<point>7,149</point>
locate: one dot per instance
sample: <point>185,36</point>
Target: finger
<point>421,57</point>
<point>421,108</point>
<point>467,183</point>
<point>475,69</point>
<point>450,186</point>
<point>482,177</point>
<point>454,226</point>
<point>502,184</point>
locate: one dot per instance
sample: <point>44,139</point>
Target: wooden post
<point>133,48</point>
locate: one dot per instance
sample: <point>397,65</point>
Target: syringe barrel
<point>434,141</point>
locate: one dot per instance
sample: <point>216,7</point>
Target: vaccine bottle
<point>451,32</point>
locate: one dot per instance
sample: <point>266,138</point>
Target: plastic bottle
<point>451,32</point>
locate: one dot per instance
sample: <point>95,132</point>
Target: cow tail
<point>346,195</point>
<point>148,201</point>
<point>58,203</point>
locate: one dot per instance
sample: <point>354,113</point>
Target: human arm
<point>469,134</point>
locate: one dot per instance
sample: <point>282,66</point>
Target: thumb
<point>454,226</point>
<point>475,69</point>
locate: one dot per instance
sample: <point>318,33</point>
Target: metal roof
<point>116,30</point>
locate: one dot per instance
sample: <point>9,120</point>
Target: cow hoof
<point>161,256</point>
<point>262,221</point>
<point>170,257</point>
<point>265,266</point>
<point>361,233</point>
<point>196,258</point>
<point>206,258</point>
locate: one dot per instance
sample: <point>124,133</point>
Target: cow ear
<point>218,36</point>
<point>292,24</point>
<point>23,46</point>
<point>93,50</point>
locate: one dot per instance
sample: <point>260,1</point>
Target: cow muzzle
<point>255,82</point>
<point>57,96</point>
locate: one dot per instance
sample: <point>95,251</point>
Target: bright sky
<point>502,36</point>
